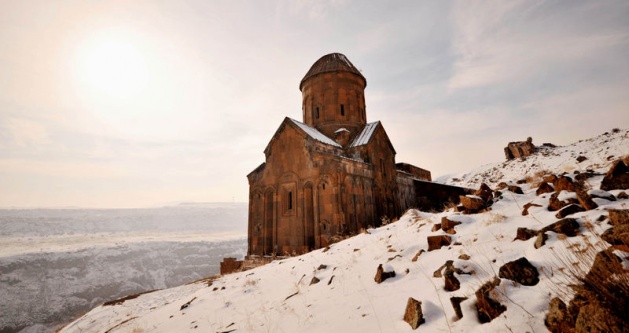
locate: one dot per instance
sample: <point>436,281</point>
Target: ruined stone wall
<point>520,149</point>
<point>419,173</point>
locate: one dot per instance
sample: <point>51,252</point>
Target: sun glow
<point>113,65</point>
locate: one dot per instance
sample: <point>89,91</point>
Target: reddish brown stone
<point>569,210</point>
<point>381,275</point>
<point>447,224</point>
<point>568,226</point>
<point>436,242</point>
<point>472,203</point>
<point>564,183</point>
<point>413,314</point>
<point>617,178</point>
<point>525,234</point>
<point>526,207</point>
<point>544,188</point>
<point>520,149</point>
<point>486,307</point>
<point>618,216</point>
<point>485,192</point>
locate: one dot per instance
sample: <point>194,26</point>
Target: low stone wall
<point>434,196</point>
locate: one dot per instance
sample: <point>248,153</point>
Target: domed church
<point>331,174</point>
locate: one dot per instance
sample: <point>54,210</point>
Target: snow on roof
<point>313,133</point>
<point>342,129</point>
<point>365,135</point>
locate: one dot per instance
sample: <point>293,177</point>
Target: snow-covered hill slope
<point>599,152</point>
<point>280,297</point>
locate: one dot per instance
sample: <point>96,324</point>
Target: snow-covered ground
<point>56,264</point>
<point>279,297</point>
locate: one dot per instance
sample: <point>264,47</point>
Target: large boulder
<point>617,178</point>
<point>520,271</point>
<point>617,235</point>
<point>557,319</point>
<point>520,149</point>
<point>594,318</point>
<point>618,216</point>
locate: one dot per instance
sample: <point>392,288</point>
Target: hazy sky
<point>141,103</point>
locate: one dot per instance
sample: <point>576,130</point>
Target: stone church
<point>331,174</point>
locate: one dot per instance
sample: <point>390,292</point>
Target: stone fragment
<point>436,242</point>
<point>585,200</point>
<point>520,271</point>
<point>473,203</point>
<point>413,314</point>
<point>314,280</point>
<point>436,226</point>
<point>544,188</point>
<point>485,192</point>
<point>447,224</point>
<point>617,177</point>
<point>456,305</point>
<point>549,178</point>
<point>557,316</point>
<point>464,257</point>
<point>618,216</point>
<point>419,253</point>
<point>602,195</point>
<point>515,189</point>
<point>617,235</point>
<point>581,159</point>
<point>526,207</point>
<point>525,234</point>
<point>540,240</point>
<point>555,204</point>
<point>451,282</point>
<point>486,307</point>
<point>569,210</point>
<point>623,195</point>
<point>564,183</point>
<point>381,275</point>
<point>568,226</point>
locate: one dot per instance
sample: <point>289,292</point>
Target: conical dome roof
<point>332,62</point>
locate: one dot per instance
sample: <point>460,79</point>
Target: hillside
<point>334,289</point>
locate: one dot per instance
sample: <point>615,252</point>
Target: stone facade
<point>330,176</point>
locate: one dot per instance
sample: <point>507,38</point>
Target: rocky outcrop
<point>519,149</point>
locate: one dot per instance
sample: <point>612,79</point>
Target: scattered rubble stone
<point>555,204</point>
<point>617,235</point>
<point>520,271</point>
<point>623,195</point>
<point>381,275</point>
<point>436,226</point>
<point>413,314</point>
<point>540,240</point>
<point>525,211</point>
<point>544,188</point>
<point>486,307</point>
<point>314,280</point>
<point>581,159</point>
<point>437,273</point>
<point>564,183</point>
<point>569,210</point>
<point>464,257</point>
<point>322,266</point>
<point>617,177</point>
<point>525,234</point>
<point>557,315</point>
<point>568,226</point>
<point>585,200</point>
<point>436,242</point>
<point>602,195</point>
<point>485,192</point>
<point>473,203</point>
<point>456,305</point>
<point>549,178</point>
<point>618,216</point>
<point>447,224</point>
<point>419,253</point>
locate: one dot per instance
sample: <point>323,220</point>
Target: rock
<point>519,149</point>
<point>436,226</point>
<point>436,242</point>
<point>525,234</point>
<point>568,226</point>
<point>564,183</point>
<point>594,318</point>
<point>525,211</point>
<point>456,305</point>
<point>520,271</point>
<point>602,195</point>
<point>464,257</point>
<point>515,189</point>
<point>555,204</point>
<point>617,178</point>
<point>381,275</point>
<point>485,192</point>
<point>618,216</point>
<point>447,224</point>
<point>501,186</point>
<point>473,203</point>
<point>314,280</point>
<point>419,253</point>
<point>569,210</point>
<point>486,307</point>
<point>585,200</point>
<point>581,159</point>
<point>451,282</point>
<point>556,320</point>
<point>549,178</point>
<point>617,235</point>
<point>437,273</point>
<point>413,314</point>
<point>322,266</point>
<point>544,188</point>
<point>540,240</point>
<point>606,263</point>
<point>623,195</point>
